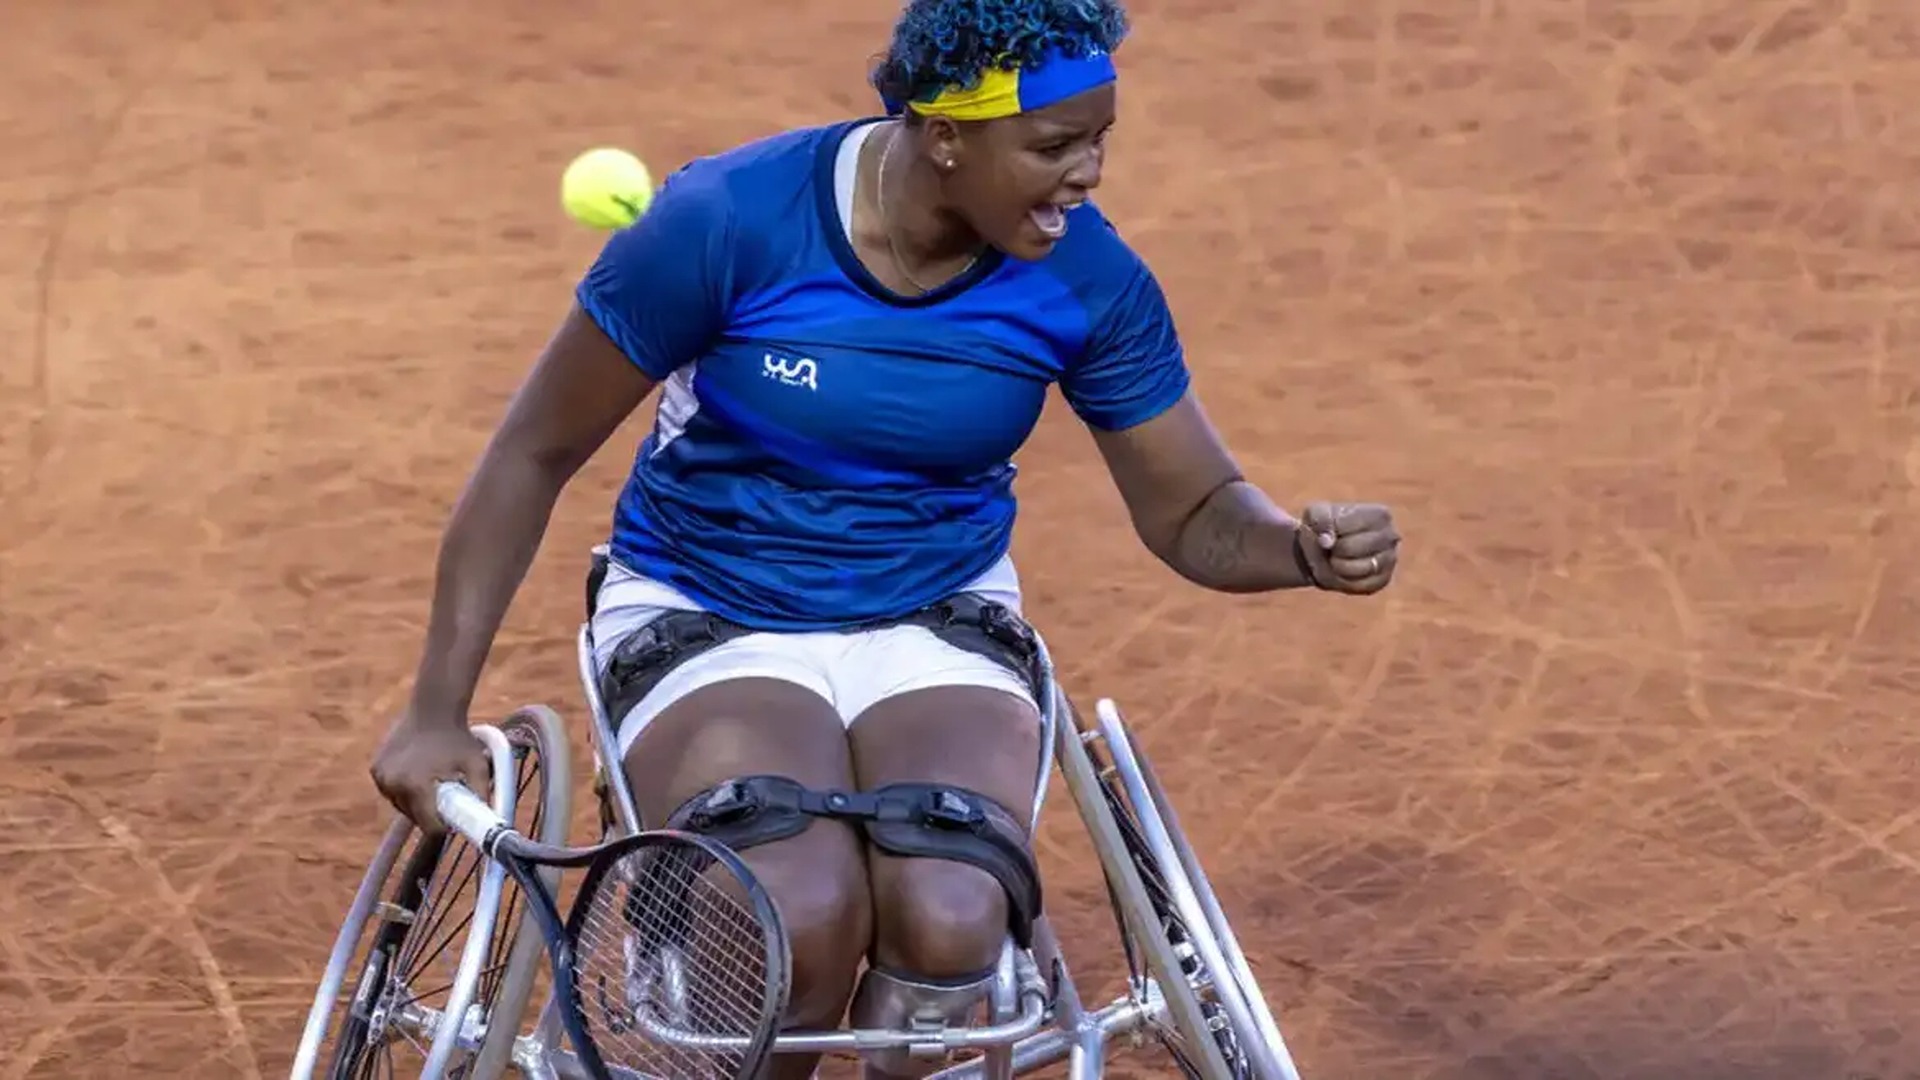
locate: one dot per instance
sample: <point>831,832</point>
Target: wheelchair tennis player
<point>807,585</point>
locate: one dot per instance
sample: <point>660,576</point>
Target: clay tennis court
<point>1616,303</point>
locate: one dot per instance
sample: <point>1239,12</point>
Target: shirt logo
<point>798,372</point>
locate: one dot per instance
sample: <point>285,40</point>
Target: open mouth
<point>1051,219</point>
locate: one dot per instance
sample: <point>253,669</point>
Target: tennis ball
<point>606,188</point>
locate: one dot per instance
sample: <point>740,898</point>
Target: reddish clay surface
<point>1613,301</point>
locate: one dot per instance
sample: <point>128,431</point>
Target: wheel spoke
<point>1155,868</point>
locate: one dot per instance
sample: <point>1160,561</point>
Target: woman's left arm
<point>1198,514</point>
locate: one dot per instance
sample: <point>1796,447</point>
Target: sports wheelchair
<point>439,902</point>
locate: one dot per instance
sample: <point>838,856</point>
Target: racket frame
<point>520,858</point>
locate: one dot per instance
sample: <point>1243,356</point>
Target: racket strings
<point>672,966</point>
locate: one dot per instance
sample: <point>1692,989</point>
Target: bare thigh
<point>817,879</point>
<point>933,917</point>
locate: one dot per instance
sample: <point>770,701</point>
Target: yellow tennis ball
<point>606,188</point>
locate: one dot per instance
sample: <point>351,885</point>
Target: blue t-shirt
<point>825,451</point>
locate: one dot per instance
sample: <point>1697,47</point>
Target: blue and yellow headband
<point>999,93</point>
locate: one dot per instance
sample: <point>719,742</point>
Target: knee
<point>820,888</point>
<point>937,919</point>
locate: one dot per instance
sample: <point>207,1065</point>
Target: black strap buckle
<point>730,803</point>
<point>680,634</point>
<point>661,640</point>
<point>951,810</point>
<point>1000,624</point>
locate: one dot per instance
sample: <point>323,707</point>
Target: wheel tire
<point>395,903</point>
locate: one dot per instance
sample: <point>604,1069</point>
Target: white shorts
<point>852,671</point>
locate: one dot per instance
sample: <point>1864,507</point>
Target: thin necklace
<point>886,219</point>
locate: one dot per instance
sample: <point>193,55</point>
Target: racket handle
<point>466,813</point>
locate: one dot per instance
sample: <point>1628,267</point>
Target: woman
<point>854,328</point>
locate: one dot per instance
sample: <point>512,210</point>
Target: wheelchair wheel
<point>1220,1026</point>
<point>432,972</point>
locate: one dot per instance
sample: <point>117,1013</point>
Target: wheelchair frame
<point>1188,985</point>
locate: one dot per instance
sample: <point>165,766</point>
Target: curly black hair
<point>939,43</point>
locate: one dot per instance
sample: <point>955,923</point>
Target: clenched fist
<point>1348,547</point>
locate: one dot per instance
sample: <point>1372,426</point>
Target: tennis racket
<point>672,962</point>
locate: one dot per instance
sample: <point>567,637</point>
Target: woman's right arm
<point>651,303</point>
<point>580,391</point>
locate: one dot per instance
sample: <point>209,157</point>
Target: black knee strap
<point>927,821</point>
<point>941,821</point>
<point>748,811</point>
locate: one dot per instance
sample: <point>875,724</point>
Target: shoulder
<point>756,184</point>
<point>1111,280</point>
<point>730,215</point>
<point>1094,260</point>
<point>1133,367</point>
<point>742,210</point>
